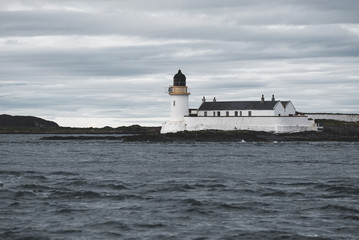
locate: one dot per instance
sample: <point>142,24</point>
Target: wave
<point>111,224</point>
<point>341,209</point>
<point>17,173</point>
<point>69,210</point>
<point>343,189</point>
<point>113,186</point>
<point>84,194</point>
<point>24,194</point>
<point>21,236</point>
<point>63,173</point>
<point>34,187</point>
<point>191,202</point>
<point>338,190</point>
<point>37,177</point>
<point>271,235</point>
<point>14,204</point>
<point>173,188</point>
<point>150,225</point>
<point>269,192</point>
<point>197,211</point>
<point>234,206</point>
<point>210,185</point>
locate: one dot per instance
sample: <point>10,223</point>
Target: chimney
<point>214,99</point>
<point>273,99</point>
<point>262,99</point>
<point>204,99</point>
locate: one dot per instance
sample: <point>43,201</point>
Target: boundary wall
<point>267,124</point>
<point>338,117</point>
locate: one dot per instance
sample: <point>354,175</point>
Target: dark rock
<point>82,138</point>
<point>25,121</point>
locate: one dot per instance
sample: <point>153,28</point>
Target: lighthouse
<point>269,116</point>
<point>178,104</point>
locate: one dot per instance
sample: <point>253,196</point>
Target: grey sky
<point>98,63</point>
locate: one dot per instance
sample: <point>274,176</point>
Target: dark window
<point>214,114</point>
<point>240,113</point>
<point>174,103</point>
<point>249,113</point>
<point>205,113</point>
<point>227,114</point>
<point>236,113</point>
<point>218,114</point>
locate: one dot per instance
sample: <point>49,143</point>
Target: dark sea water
<point>115,190</point>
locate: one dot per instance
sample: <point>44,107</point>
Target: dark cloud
<point>110,61</point>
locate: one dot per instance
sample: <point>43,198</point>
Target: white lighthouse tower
<point>179,104</point>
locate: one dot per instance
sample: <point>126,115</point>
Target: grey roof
<point>284,103</point>
<point>238,105</point>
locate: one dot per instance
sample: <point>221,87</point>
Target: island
<point>333,130</point>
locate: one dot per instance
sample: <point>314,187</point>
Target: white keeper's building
<point>270,116</point>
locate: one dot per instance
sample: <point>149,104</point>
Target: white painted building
<point>246,108</point>
<point>270,116</point>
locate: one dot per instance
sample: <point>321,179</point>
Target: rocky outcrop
<point>242,136</point>
<point>333,131</point>
<point>25,121</point>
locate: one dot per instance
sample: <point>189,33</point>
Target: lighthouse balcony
<point>178,90</point>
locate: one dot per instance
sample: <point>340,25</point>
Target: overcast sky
<point>108,63</point>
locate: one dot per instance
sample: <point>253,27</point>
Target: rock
<point>25,121</point>
<point>81,138</point>
<point>333,131</point>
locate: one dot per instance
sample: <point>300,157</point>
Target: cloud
<point>112,60</point>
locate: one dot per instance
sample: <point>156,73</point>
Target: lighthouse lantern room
<point>179,97</point>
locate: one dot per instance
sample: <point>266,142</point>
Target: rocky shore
<point>240,136</point>
<point>333,131</point>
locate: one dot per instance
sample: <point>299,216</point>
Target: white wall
<point>268,124</point>
<point>290,109</point>
<point>173,126</point>
<point>245,113</point>
<point>278,110</point>
<point>179,107</point>
<point>338,117</point>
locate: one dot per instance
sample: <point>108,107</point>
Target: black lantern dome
<point>179,79</point>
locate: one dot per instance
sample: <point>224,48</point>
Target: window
<point>218,114</point>
<point>214,113</point>
<point>249,113</point>
<point>227,114</point>
<point>205,113</point>
<point>240,113</point>
<point>174,103</point>
<point>236,113</point>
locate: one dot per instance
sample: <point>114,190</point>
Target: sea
<point>73,189</point>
